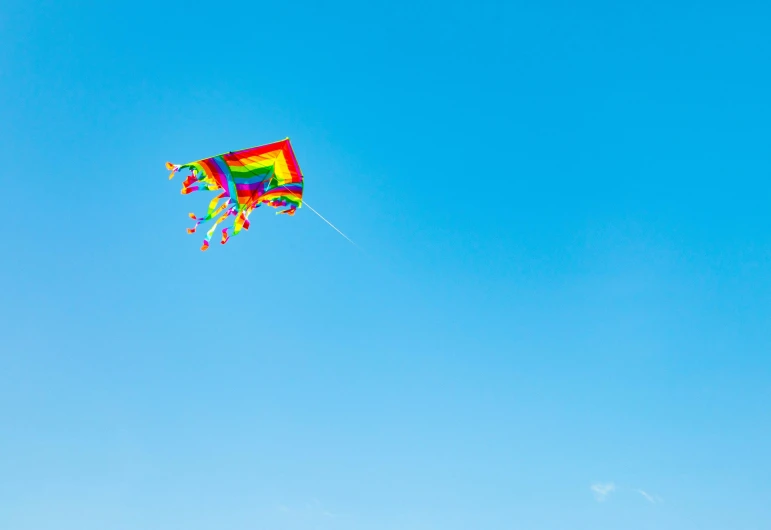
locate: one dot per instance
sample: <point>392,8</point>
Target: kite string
<point>302,201</point>
<point>330,224</point>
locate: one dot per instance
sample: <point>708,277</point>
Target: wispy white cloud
<point>653,499</point>
<point>602,490</point>
<point>648,496</point>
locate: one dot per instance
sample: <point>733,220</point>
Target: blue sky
<point>560,318</point>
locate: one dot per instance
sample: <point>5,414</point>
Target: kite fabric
<point>268,174</point>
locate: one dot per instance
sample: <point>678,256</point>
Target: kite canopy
<point>268,174</point>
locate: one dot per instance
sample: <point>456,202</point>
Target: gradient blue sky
<point>567,277</point>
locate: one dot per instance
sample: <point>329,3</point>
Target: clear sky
<point>559,319</point>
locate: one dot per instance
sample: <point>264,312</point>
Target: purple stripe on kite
<point>255,186</point>
<point>213,170</point>
<point>225,171</point>
<point>252,178</point>
<point>294,188</point>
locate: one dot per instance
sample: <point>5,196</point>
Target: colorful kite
<point>268,174</point>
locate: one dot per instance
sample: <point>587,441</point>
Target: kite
<point>267,174</point>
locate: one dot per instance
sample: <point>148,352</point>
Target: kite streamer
<point>268,174</point>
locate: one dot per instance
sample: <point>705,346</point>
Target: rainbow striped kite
<point>267,174</point>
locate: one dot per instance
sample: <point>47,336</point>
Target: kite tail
<point>289,211</point>
<point>210,233</point>
<point>212,211</point>
<point>195,181</point>
<point>173,168</point>
<point>241,223</point>
<point>198,186</point>
<point>195,226</point>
